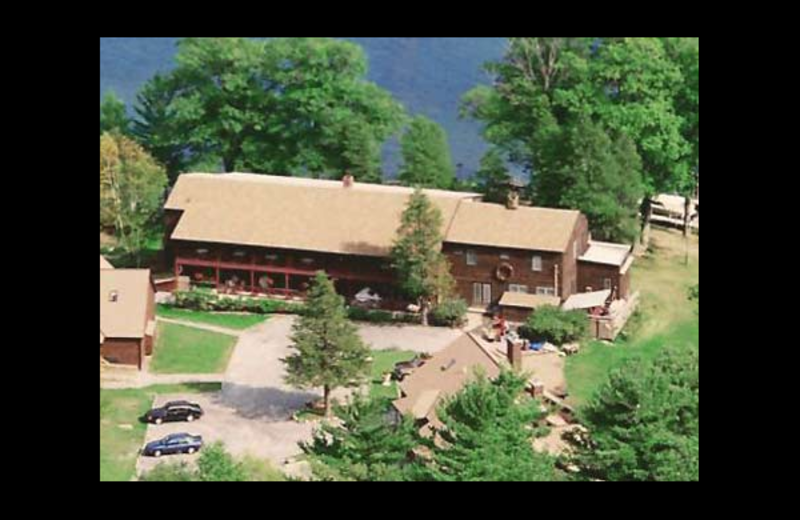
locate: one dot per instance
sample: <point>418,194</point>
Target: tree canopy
<point>427,162</point>
<point>645,422</point>
<point>487,434</point>
<point>113,115</point>
<point>281,105</point>
<point>644,91</point>
<point>132,189</point>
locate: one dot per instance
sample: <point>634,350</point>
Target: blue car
<point>181,443</point>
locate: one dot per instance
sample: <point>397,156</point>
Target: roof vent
<point>513,200</point>
<point>348,180</point>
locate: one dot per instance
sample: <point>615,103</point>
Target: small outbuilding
<point>517,307</point>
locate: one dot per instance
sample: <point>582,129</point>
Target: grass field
<point>224,320</point>
<point>121,433</point>
<point>382,362</point>
<point>666,317</point>
<point>185,350</point>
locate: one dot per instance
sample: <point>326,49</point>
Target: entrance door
<point>481,294</point>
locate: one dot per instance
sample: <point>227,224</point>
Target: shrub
<point>170,473</point>
<point>381,317</point>
<point>217,465</point>
<point>200,300</point>
<point>551,324</point>
<point>451,313</point>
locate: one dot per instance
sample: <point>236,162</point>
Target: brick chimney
<point>513,200</point>
<point>348,180</point>
<point>515,353</point>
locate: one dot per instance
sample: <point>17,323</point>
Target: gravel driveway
<point>252,414</point>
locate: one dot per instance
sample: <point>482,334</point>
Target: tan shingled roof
<point>528,301</point>
<point>607,253</point>
<point>105,264</point>
<point>540,229</point>
<point>300,214</point>
<point>314,215</point>
<point>428,385</point>
<point>127,317</point>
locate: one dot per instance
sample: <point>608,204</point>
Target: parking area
<point>252,414</point>
<point>242,434</point>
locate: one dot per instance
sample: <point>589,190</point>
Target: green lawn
<point>185,350</point>
<point>121,433</point>
<point>224,320</point>
<point>666,317</point>
<point>384,361</point>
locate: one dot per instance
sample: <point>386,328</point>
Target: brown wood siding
<point>489,258</point>
<point>594,276</point>
<point>122,351</point>
<point>516,314</point>
<point>580,236</point>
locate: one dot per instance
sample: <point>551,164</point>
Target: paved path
<point>202,326</point>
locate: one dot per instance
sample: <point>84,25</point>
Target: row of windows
<point>524,289</point>
<point>472,260</point>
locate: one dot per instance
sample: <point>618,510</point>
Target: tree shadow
<point>270,404</point>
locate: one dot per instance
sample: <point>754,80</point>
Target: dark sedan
<point>179,444</point>
<point>176,411</point>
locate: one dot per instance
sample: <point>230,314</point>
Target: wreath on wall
<point>504,272</point>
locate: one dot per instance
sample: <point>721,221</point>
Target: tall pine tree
<point>422,269</point>
<point>329,352</point>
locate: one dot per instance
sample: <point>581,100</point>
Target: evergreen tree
<point>329,352</point>
<point>644,422</point>
<point>427,162</point>
<point>422,269</point>
<point>113,115</point>
<point>487,434</point>
<point>598,175</point>
<point>493,177</point>
<point>364,446</point>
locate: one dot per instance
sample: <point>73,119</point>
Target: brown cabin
<point>260,234</point>
<point>127,315</point>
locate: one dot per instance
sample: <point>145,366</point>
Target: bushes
<point>451,313</point>
<point>200,300</point>
<point>555,326</point>
<point>215,465</point>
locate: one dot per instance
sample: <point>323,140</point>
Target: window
<point>516,288</point>
<point>537,263</point>
<point>113,296</point>
<point>481,294</point>
<point>546,291</point>
<point>472,257</point>
<point>607,285</point>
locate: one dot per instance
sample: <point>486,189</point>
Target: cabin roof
<point>125,318</point>
<point>528,301</point>
<point>442,376</point>
<point>324,216</point>
<point>607,253</point>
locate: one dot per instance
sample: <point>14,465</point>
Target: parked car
<point>175,411</point>
<point>178,444</point>
<point>406,368</point>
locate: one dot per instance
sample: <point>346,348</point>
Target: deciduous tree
<point>427,162</point>
<point>132,188</point>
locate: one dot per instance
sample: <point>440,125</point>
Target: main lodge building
<point>259,234</point>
